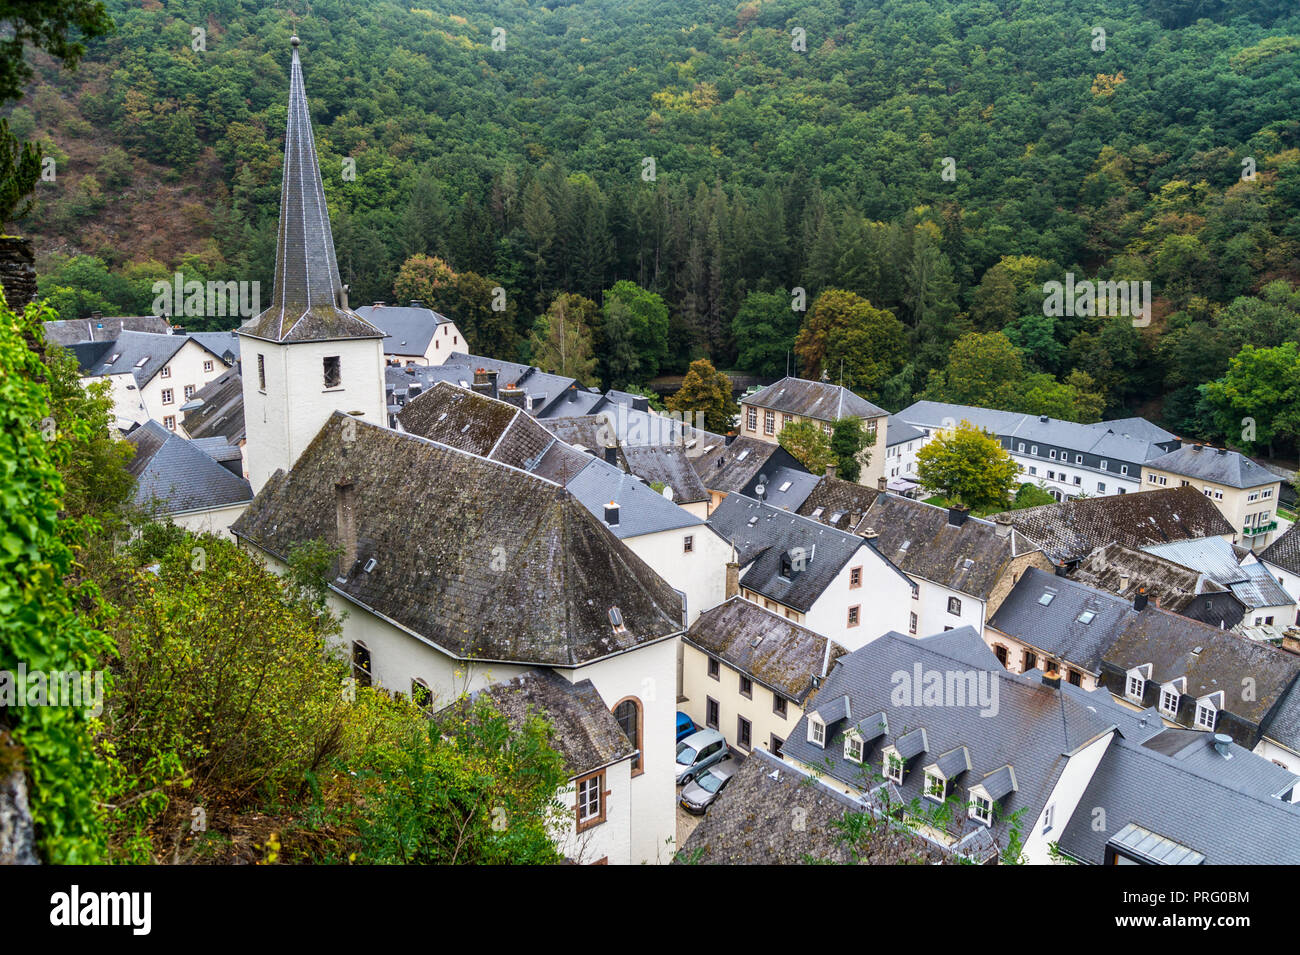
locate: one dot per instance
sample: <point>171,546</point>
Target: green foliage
<point>807,443</point>
<point>1258,401</point>
<point>849,441</point>
<point>633,334</point>
<point>707,391</point>
<point>1031,495</point>
<point>20,170</point>
<point>561,341</point>
<point>764,329</point>
<point>967,466</point>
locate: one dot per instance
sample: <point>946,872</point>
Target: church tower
<point>309,354</point>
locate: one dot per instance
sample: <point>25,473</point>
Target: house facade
<point>414,334</point>
<point>1246,493</point>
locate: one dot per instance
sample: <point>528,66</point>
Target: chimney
<point>1043,418</point>
<point>410,369</point>
<point>346,524</point>
<point>830,471</point>
<point>1222,744</point>
<point>871,534</point>
<point>1051,674</point>
<point>413,389</point>
<point>573,393</point>
<point>611,455</point>
<point>640,403</point>
<point>957,515</point>
<point>1003,525</point>
<point>611,514</point>
<point>1140,599</point>
<point>416,303</point>
<point>731,436</point>
<point>512,395</point>
<point>733,579</point>
<point>485,382</point>
<point>1123,582</point>
<point>882,484</point>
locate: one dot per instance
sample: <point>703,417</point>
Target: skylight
<point>817,512</point>
<point>784,487</point>
<point>1086,617</point>
<point>1046,598</point>
<point>742,455</point>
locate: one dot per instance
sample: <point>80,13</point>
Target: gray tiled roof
<point>669,465</point>
<point>586,734</point>
<point>1187,803</point>
<point>225,345</point>
<point>407,329</point>
<point>483,560</point>
<point>179,476</point>
<point>1252,584</point>
<point>838,503</point>
<point>75,330</point>
<point>1122,570</point>
<point>641,509</point>
<point>1285,551</point>
<point>1055,628</point>
<point>772,650</point>
<point>773,532</point>
<point>786,488</point>
<point>1072,529</point>
<point>308,301</point>
<point>731,467</point>
<point>1219,465</point>
<point>143,354</point>
<point>900,432</point>
<point>1283,724</point>
<point>551,394</point>
<point>772,814</point>
<point>820,400</point>
<point>1032,728</point>
<point>217,409</point>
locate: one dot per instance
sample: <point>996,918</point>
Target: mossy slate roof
<point>484,560</point>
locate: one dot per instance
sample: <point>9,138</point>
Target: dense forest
<point>915,170</point>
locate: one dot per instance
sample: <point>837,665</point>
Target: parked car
<point>698,751</point>
<point>700,792</point>
<point>685,726</point>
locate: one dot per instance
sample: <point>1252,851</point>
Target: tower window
<point>333,373</point>
<point>261,372</point>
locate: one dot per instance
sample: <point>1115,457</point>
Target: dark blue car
<point>684,726</point>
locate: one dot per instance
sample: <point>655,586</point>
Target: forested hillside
<point>692,148</point>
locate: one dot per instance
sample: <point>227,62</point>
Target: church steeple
<point>308,303</point>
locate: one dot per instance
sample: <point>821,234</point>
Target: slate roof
<point>589,432</point>
<point>786,488</point>
<point>729,468</point>
<point>752,822</point>
<point>73,331</point>
<point>1285,551</point>
<point>899,432</point>
<point>143,354</point>
<point>1252,583</point>
<point>642,510</point>
<point>177,475</point>
<point>439,523</point>
<point>1071,530</point>
<point>774,651</point>
<point>586,734</point>
<point>225,345</point>
<point>669,464</point>
<point>1032,728</point>
<point>551,394</point>
<point>918,538</point>
<point>838,503</point>
<point>1122,570</point>
<point>217,409</point>
<point>308,301</point>
<point>408,329</point>
<point>1283,724</point>
<point>773,533</point>
<point>819,400</point>
<point>1218,465</point>
<point>1189,802</point>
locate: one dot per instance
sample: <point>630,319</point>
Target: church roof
<point>308,303</point>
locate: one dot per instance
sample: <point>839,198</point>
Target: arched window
<point>628,714</point>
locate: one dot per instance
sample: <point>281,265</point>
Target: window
<point>421,695</point>
<point>893,767</point>
<point>1078,459</point>
<point>981,809</point>
<point>936,787</point>
<point>1253,497</point>
<point>855,578</point>
<point>1021,448</point>
<point>261,372</point>
<point>207,366</point>
<point>779,705</point>
<point>1077,480</point>
<point>853,616</point>
<point>333,372</point>
<point>167,396</point>
<point>1034,449</point>
<point>1087,616</point>
<point>746,687</point>
<point>591,801</point>
<point>1135,687</point>
<point>688,543</point>
<point>1000,652</point>
<point>744,739</point>
<point>1052,454</point>
<point>1048,815</point>
<point>1206,714</point>
<point>361,663</point>
<point>1101,487</point>
<point>775,745</point>
<point>710,712</point>
<point>816,731</point>
<point>1051,475</point>
<point>769,422</point>
<point>628,714</point>
<point>1123,469</point>
<point>189,392</point>
<point>169,422</point>
<point>853,748</point>
<point>1104,464</point>
<point>714,668</point>
<point>167,371</point>
<point>1075,678</point>
<point>1033,471</point>
<point>1029,661</point>
<point>911,623</point>
<point>1267,493</point>
<point>1169,701</point>
<point>751,419</point>
<point>1218,495</point>
<point>954,606</point>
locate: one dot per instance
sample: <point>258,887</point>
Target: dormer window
<point>1169,696</point>
<point>1135,685</point>
<point>893,767</point>
<point>936,787</point>
<point>816,732</point>
<point>1207,715</point>
<point>981,809</point>
<point>853,747</point>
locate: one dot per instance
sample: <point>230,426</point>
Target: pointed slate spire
<point>308,303</point>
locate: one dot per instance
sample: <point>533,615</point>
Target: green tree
<point>808,444</point>
<point>984,369</point>
<point>635,319</point>
<point>764,329</point>
<point>969,467</point>
<point>1258,401</point>
<point>708,391</point>
<point>561,340</point>
<point>849,441</point>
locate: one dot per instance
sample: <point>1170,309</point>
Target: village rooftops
<point>900,432</point>
<point>178,476</point>
<point>1285,551</point>
<point>548,394</point>
<point>786,488</point>
<point>1252,583</point>
<point>142,354</point>
<point>74,331</point>
<point>775,652</point>
<point>1071,530</point>
<point>729,468</point>
<point>1216,465</point>
<point>819,400</point>
<point>408,329</point>
<point>669,465</point>
<point>225,345</point>
<point>480,559</point>
<point>1125,572</point>
<point>217,409</point>
<point>838,503</point>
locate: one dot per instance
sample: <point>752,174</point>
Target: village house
<point>900,456</point>
<point>1246,493</point>
<point>217,411</point>
<point>790,400</point>
<point>728,466</point>
<point>198,485</point>
<point>1282,558</point>
<point>414,334</point>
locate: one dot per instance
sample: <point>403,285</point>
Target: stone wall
<point>17,271</point>
<point>17,832</point>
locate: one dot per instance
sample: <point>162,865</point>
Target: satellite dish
<point>668,493</point>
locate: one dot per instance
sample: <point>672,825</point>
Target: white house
<point>414,334</point>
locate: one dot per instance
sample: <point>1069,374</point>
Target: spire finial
<point>294,41</point>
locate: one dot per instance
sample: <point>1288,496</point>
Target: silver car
<point>704,788</point>
<point>698,751</point>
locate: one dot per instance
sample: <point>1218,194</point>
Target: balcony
<point>1259,529</point>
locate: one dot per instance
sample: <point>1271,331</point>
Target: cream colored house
<point>790,400</point>
<point>1245,492</point>
<point>414,334</point>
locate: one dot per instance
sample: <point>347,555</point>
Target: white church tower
<point>308,355</point>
